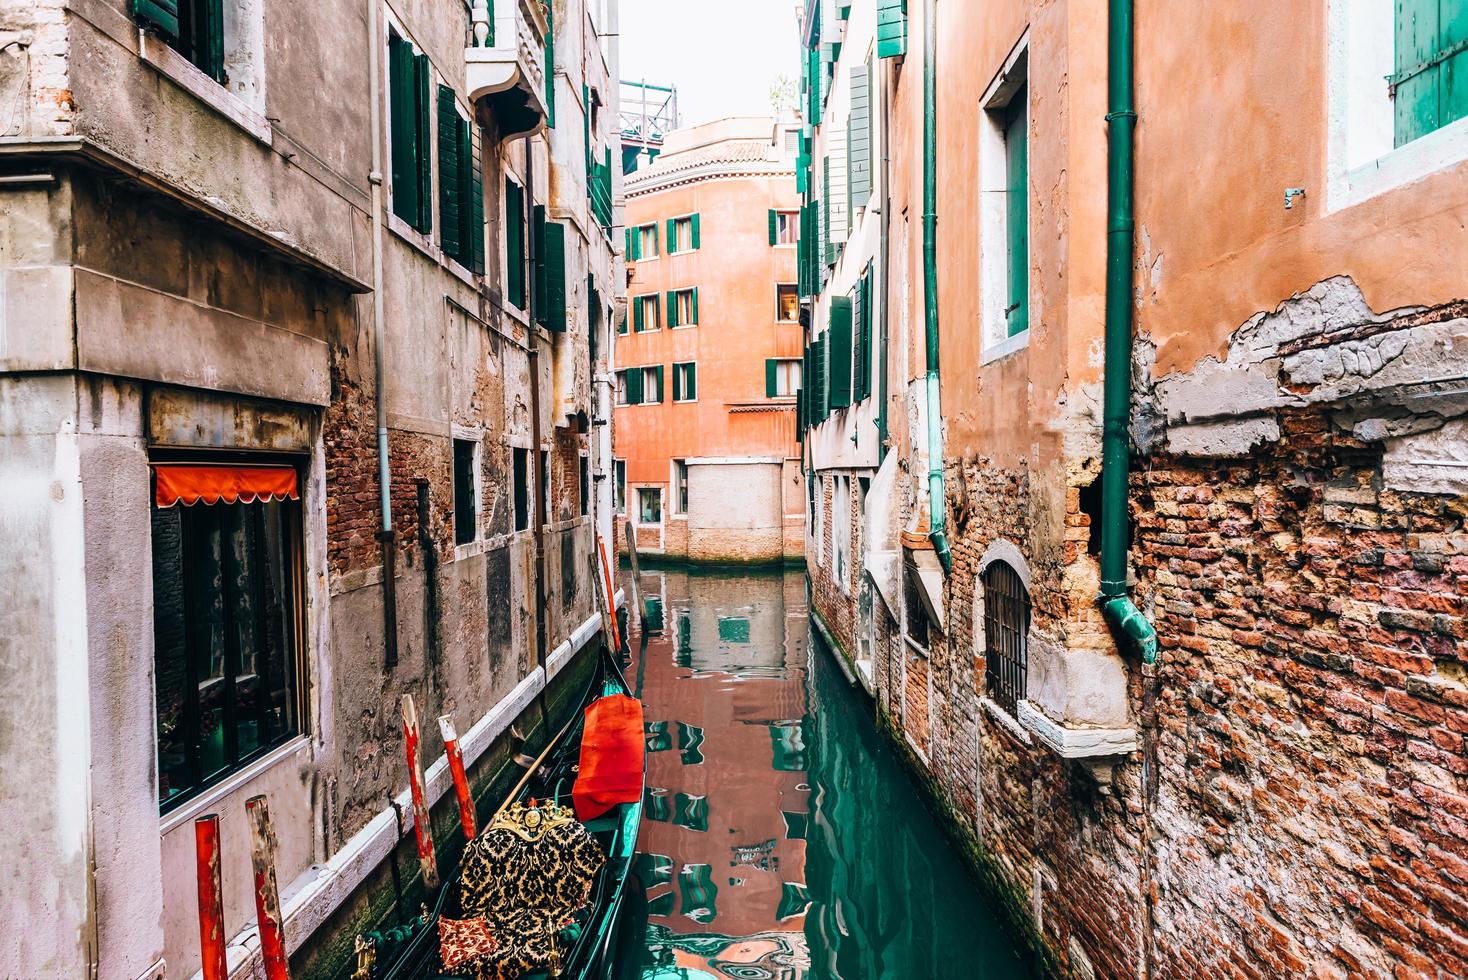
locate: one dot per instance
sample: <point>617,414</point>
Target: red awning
<point>188,485</point>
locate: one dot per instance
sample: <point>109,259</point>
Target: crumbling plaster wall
<point>35,69</point>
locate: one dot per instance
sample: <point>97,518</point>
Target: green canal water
<point>782,838</point>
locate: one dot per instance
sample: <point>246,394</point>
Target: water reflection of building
<point>727,806</point>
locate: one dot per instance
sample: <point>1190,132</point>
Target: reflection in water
<point>781,838</point>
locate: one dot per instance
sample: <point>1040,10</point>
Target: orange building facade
<point>707,362</point>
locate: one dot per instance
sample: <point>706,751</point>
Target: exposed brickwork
<point>350,442</point>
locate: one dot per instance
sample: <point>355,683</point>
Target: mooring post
<point>461,779</point>
<point>267,896</point>
<point>609,610</point>
<point>211,897</point>
<point>422,829</point>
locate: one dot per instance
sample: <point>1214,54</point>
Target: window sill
<point>236,781</point>
<point>1005,347</point>
<point>469,549</point>
<point>183,73</point>
<point>685,401</point>
<point>412,235</point>
<point>1076,743</point>
<point>681,326</point>
<point>1439,150</point>
<point>1006,720</point>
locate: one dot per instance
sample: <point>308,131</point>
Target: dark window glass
<point>585,486</point>
<point>224,614</point>
<point>522,488</point>
<point>466,511</point>
<point>1006,628</point>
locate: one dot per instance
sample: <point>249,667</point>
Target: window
<point>522,488</point>
<point>408,107</point>
<point>646,313</point>
<point>225,619</point>
<point>623,397</point>
<point>861,343</point>
<point>916,613</point>
<point>859,139</point>
<point>642,242</point>
<point>683,234</point>
<point>685,382</point>
<point>545,483</point>
<point>649,505</point>
<point>734,629</point>
<point>782,377</point>
<point>787,303</point>
<point>690,744</point>
<point>585,484</point>
<point>193,28</point>
<point>640,386</point>
<point>619,489</point>
<point>466,494</point>
<point>515,244</point>
<point>1384,136</point>
<point>460,186</point>
<point>683,307</point>
<point>1003,233</point>
<point>655,736</point>
<point>841,532</point>
<point>1006,631</point>
<point>680,486</point>
<point>837,352</point>
<point>692,812</point>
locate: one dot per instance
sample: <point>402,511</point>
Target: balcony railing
<point>506,59</point>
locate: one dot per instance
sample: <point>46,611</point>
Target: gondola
<point>582,945</point>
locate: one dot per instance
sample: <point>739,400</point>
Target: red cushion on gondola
<point>611,756</point>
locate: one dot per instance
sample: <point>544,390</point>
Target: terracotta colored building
<point>708,358</point>
<point>1193,693</point>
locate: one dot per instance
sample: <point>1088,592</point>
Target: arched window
<point>1006,628</point>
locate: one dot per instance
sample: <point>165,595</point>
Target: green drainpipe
<point>936,506</point>
<point>1116,605</point>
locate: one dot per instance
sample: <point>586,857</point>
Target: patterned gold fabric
<point>527,873</point>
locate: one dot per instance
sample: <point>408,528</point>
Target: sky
<point>722,56</point>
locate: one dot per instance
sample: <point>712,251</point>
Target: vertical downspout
<point>886,265</point>
<point>1121,120</point>
<point>936,504</point>
<point>385,535</point>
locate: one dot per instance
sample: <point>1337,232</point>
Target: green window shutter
<point>631,249</point>
<point>658,371</point>
<point>450,193</point>
<point>550,65</point>
<point>401,128</point>
<point>159,14</point>
<point>828,247</point>
<point>423,108</point>
<point>672,309</point>
<point>639,315</point>
<point>537,262</point>
<point>859,139</point>
<point>839,356</point>
<point>656,311</point>
<point>210,32</point>
<point>771,382</point>
<point>654,227</point>
<point>634,386</point>
<point>694,304</point>
<point>692,383</point>
<point>774,221</point>
<point>515,244</point>
<point>858,338</point>
<point>622,324</point>
<point>864,338</point>
<point>891,28</point>
<point>823,370</point>
<point>555,276</point>
<point>476,204</point>
<point>1430,84</point>
<point>677,382</point>
<point>1017,215</point>
<point>672,235</point>
<point>696,237</point>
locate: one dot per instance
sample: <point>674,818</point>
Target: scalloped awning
<point>191,484</point>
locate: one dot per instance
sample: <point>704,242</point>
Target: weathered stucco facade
<point>1282,792</point>
<point>212,267</point>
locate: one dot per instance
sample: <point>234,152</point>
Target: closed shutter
<point>822,365</point>
<point>694,304</point>
<point>450,192</point>
<point>774,221</point>
<point>772,383</point>
<point>634,386</point>
<point>632,244</point>
<point>839,353</point>
<point>836,147</point>
<point>693,229</point>
<point>891,28</point>
<point>859,139</point>
<point>692,383</point>
<point>211,13</point>
<point>555,276</point>
<point>550,65</point>
<point>537,246</point>
<point>423,106</point>
<point>828,253</point>
<point>859,341</point>
<point>476,200</point>
<point>639,315</point>
<point>658,371</point>
<point>654,227</point>
<point>1430,84</point>
<point>1017,215</point>
<point>159,14</point>
<point>402,129</point>
<point>672,309</point>
<point>515,244</point>
<point>678,383</point>
<point>672,235</point>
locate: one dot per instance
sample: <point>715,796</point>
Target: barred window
<point>1006,628</point>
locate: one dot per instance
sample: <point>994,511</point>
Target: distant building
<point>1228,406</point>
<point>708,355</point>
<point>305,313</point>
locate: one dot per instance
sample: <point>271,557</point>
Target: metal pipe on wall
<point>937,516</point>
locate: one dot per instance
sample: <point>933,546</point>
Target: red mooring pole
<point>421,826</point>
<point>211,897</point>
<point>606,574</point>
<point>456,769</point>
<point>267,897</point>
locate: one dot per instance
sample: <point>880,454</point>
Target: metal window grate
<point>1006,627</point>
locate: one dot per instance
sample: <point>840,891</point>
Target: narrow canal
<point>781,836</point>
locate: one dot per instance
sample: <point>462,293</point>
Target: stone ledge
<point>1076,743</point>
